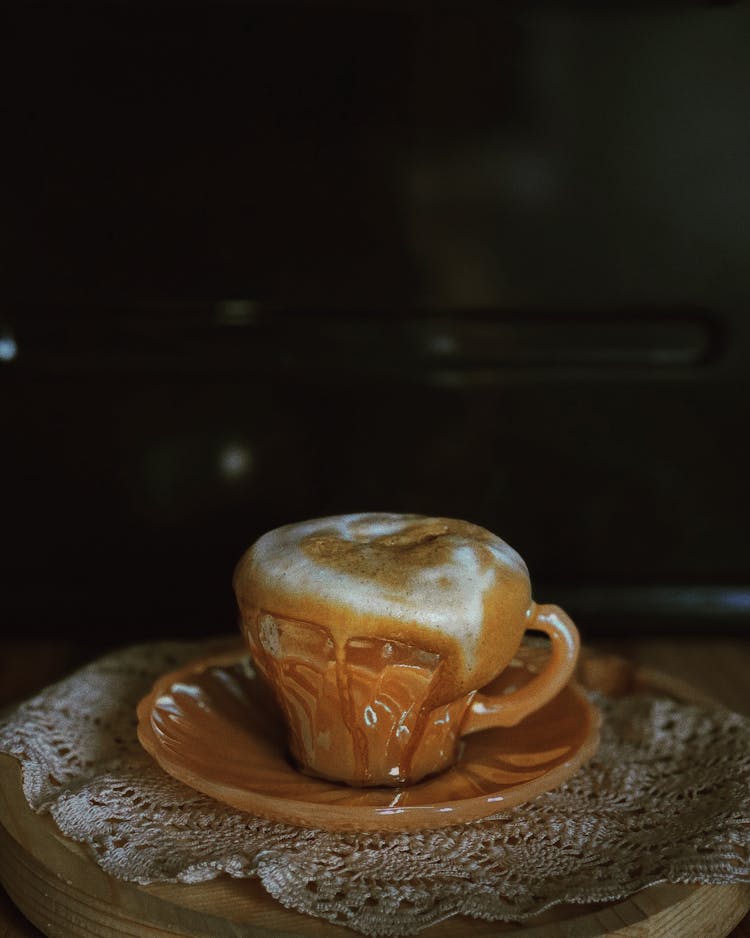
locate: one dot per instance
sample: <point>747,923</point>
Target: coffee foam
<point>407,573</point>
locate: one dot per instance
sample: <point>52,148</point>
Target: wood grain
<point>66,895</point>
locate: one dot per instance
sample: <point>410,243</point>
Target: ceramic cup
<point>377,633</point>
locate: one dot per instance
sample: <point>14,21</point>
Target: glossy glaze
<point>214,725</point>
<point>375,632</point>
<point>441,584</point>
<point>361,714</point>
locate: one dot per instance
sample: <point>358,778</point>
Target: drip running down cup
<point>377,632</point>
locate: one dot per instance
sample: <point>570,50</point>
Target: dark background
<point>262,262</point>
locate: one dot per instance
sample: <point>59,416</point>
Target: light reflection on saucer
<point>214,725</point>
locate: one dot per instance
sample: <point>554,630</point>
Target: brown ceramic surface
<point>376,631</point>
<point>441,584</point>
<point>215,726</point>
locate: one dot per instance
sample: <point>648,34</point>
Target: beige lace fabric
<point>666,798</point>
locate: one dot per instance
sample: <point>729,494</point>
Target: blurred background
<point>268,261</point>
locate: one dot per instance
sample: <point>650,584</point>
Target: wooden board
<point>62,891</point>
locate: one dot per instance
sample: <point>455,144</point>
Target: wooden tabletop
<point>720,667</point>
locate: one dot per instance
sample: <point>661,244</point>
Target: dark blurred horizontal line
<point>597,610</point>
<point>238,337</point>
<point>686,603</point>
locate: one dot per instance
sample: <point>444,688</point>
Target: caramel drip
<point>424,721</point>
<point>390,684</point>
<point>270,669</point>
<point>349,715</point>
<point>298,661</point>
<point>359,710</point>
<point>441,584</point>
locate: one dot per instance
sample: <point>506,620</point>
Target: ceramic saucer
<point>214,725</point>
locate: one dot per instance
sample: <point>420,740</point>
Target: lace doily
<point>665,799</point>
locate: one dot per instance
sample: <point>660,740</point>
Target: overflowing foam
<point>432,573</point>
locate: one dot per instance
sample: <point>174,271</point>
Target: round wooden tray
<point>61,890</point>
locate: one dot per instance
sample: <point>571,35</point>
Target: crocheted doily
<point>666,798</point>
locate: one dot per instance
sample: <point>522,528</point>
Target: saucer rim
<point>361,818</point>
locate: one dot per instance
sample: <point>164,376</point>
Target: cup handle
<point>486,711</point>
